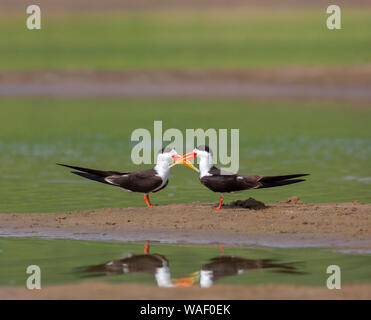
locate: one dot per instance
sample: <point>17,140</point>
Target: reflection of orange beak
<point>187,281</point>
<point>184,282</point>
<point>184,160</point>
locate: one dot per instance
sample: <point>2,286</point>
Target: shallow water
<point>69,261</point>
<point>329,140</point>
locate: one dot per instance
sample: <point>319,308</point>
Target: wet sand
<point>101,290</point>
<point>288,223</point>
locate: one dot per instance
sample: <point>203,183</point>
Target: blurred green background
<point>185,39</point>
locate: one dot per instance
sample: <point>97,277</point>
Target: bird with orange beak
<point>226,182</point>
<point>144,181</point>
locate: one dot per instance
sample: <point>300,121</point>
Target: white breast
<point>162,170</point>
<point>204,167</point>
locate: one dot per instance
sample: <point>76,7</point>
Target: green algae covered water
<point>329,140</point>
<point>70,261</point>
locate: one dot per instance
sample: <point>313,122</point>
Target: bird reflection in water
<point>158,266</point>
<point>225,266</point>
<point>154,264</point>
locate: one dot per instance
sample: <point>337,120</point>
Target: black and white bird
<point>154,264</point>
<point>226,182</point>
<point>143,181</point>
<point>226,266</point>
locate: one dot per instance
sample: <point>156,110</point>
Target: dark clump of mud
<point>247,204</point>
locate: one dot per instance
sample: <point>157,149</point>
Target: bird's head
<point>203,152</point>
<point>167,154</point>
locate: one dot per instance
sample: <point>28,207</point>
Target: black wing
<point>219,181</point>
<point>164,186</point>
<point>137,181</point>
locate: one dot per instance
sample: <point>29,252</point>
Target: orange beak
<point>187,281</point>
<point>184,160</point>
<point>189,155</point>
<point>184,282</point>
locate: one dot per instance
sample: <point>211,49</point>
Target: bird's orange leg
<point>220,203</point>
<point>146,246</point>
<point>152,205</point>
<point>146,199</point>
<point>221,250</point>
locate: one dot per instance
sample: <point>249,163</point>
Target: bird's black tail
<point>92,174</point>
<point>276,181</point>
